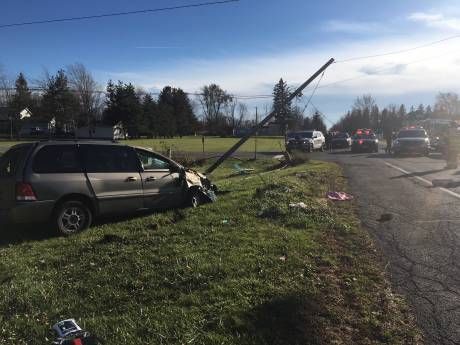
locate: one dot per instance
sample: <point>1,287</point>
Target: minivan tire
<point>72,217</point>
<point>194,198</point>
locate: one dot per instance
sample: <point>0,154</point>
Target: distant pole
<point>202,142</point>
<point>11,128</point>
<point>255,139</point>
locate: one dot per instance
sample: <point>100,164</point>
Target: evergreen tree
<point>375,119</point>
<point>317,122</point>
<point>58,101</point>
<point>281,105</point>
<point>428,112</point>
<point>22,97</point>
<point>184,119</point>
<point>123,105</point>
<point>150,116</point>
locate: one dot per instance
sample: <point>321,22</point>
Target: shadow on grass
<point>11,234</point>
<point>287,320</point>
<point>16,234</point>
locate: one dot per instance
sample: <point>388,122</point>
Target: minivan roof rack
<point>79,139</point>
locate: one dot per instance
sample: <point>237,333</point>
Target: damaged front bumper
<point>198,181</point>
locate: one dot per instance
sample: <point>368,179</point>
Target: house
<point>116,132</point>
<point>35,129</point>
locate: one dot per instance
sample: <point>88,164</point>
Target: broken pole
<point>266,120</point>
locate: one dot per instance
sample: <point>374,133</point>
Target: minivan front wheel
<point>195,198</point>
<point>72,217</point>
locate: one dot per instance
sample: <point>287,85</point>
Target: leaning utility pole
<point>266,120</point>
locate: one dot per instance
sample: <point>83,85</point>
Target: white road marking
<point>409,173</point>
<point>455,195</point>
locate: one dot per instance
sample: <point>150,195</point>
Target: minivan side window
<point>109,159</point>
<point>150,161</point>
<point>10,161</point>
<point>57,159</point>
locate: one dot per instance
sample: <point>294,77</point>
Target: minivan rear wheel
<point>72,217</point>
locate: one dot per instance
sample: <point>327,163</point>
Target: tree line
<point>365,113</point>
<point>72,98</point>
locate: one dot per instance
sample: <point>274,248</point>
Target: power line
<point>399,51</point>
<point>162,9</point>
<point>321,113</point>
<point>313,93</point>
<point>377,71</point>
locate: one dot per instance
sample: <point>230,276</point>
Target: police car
<point>364,140</point>
<point>411,140</point>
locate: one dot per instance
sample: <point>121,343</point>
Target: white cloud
<point>421,72</point>
<point>353,27</point>
<point>436,20</point>
<point>384,70</point>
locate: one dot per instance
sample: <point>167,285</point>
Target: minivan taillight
<point>24,192</point>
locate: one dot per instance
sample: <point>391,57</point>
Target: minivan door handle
<point>150,179</point>
<point>131,179</point>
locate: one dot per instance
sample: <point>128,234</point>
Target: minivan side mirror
<point>173,168</point>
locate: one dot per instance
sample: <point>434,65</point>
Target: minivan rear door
<point>11,165</point>
<point>113,172</point>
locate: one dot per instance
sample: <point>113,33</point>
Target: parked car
<point>305,141</point>
<point>72,182</point>
<point>340,141</point>
<point>411,140</point>
<point>364,140</point>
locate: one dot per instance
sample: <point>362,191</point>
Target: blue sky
<point>246,46</point>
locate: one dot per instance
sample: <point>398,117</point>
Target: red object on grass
<point>77,342</point>
<point>339,196</point>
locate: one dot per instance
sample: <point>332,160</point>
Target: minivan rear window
<point>56,159</point>
<point>10,161</point>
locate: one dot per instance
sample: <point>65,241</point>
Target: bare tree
<point>6,87</point>
<point>213,100</point>
<point>87,91</point>
<point>242,114</point>
<point>364,103</point>
<point>447,104</point>
<point>230,112</point>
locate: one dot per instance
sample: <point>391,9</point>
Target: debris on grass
<point>339,196</point>
<point>300,205</point>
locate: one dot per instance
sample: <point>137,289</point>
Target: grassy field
<point>194,144</point>
<point>247,269</point>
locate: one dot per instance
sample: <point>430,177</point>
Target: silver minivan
<point>71,182</point>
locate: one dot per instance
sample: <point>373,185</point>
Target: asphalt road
<point>417,228</point>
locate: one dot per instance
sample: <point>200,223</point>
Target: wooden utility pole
<point>255,140</point>
<point>266,120</point>
<point>11,128</point>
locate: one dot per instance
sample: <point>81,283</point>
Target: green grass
<point>245,270</point>
<point>194,144</point>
